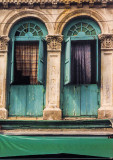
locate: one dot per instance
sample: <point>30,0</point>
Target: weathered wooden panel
<point>26,100</point>
<point>34,104</point>
<point>89,100</point>
<point>17,100</point>
<point>71,100</point>
<point>80,100</point>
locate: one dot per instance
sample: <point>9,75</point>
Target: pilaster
<point>106,109</point>
<point>3,67</point>
<point>52,110</point>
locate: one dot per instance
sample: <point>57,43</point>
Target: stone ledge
<point>54,4</point>
<point>56,124</point>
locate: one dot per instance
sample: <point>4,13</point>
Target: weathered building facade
<point>53,30</point>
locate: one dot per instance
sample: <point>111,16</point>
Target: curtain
<point>27,61</point>
<point>81,63</point>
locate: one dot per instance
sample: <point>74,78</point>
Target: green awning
<point>41,145</point>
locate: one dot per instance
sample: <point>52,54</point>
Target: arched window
<point>26,68</point>
<point>80,84</point>
<point>81,44</point>
<point>27,59</point>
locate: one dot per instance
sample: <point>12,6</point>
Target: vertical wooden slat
<point>26,100</point>
<point>71,101</point>
<point>40,74</point>
<point>83,100</point>
<point>17,101</point>
<point>97,60</point>
<point>34,100</point>
<point>89,100</point>
<point>12,61</point>
<point>67,67</point>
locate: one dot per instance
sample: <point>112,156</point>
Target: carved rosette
<point>54,42</point>
<point>106,41</point>
<point>4,42</point>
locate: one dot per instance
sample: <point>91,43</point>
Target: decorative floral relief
<point>54,42</point>
<point>106,40</point>
<point>4,42</point>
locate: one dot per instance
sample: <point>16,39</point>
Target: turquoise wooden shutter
<point>97,60</point>
<point>67,71</point>
<point>41,61</point>
<point>12,61</point>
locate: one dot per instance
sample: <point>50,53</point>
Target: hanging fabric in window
<point>81,63</point>
<point>26,62</point>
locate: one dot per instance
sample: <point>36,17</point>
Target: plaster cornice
<point>55,3</point>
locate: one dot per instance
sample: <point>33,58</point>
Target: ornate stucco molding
<point>54,42</point>
<point>106,41</point>
<point>54,3</point>
<point>4,43</point>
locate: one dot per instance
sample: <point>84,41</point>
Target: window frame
<point>39,39</point>
<point>67,61</point>
<point>40,72</point>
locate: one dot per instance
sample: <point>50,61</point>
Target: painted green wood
<point>29,29</point>
<point>26,100</point>
<point>71,101</point>
<point>12,61</point>
<point>80,100</point>
<point>81,30</point>
<point>34,26</point>
<point>17,100</point>
<point>97,55</point>
<point>67,71</point>
<point>40,74</point>
<point>89,100</point>
<point>34,103</point>
<point>82,37</point>
<point>81,27</point>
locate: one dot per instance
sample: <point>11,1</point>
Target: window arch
<point>29,29</point>
<point>82,25</point>
<point>87,28</point>
<point>27,52</point>
<point>28,25</point>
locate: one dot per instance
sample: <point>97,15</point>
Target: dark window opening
<point>26,63</point>
<point>83,62</point>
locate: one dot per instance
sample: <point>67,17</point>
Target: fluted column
<point>106,109</point>
<point>3,70</point>
<point>52,110</point>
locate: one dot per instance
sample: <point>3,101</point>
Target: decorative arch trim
<point>11,20</point>
<point>69,15</point>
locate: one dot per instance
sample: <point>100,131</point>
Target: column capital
<point>54,42</point>
<point>4,42</point>
<point>106,41</point>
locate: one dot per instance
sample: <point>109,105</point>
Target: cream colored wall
<point>55,20</point>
